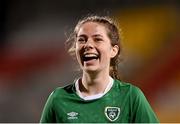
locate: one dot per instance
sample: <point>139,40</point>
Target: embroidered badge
<point>112,113</point>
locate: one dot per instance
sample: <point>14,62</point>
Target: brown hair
<point>112,32</point>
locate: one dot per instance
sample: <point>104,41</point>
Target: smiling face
<point>93,47</point>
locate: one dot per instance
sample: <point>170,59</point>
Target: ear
<point>114,51</point>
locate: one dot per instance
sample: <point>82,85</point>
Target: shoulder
<point>63,91</point>
<point>126,86</point>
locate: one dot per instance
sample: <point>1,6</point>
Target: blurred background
<point>33,60</point>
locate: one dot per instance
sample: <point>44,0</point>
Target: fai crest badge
<point>112,113</point>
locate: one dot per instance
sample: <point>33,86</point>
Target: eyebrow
<point>95,35</point>
<point>82,35</point>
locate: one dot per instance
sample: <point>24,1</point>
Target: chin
<point>90,70</point>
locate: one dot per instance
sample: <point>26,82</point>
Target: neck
<point>92,84</point>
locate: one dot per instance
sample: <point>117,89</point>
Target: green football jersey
<point>123,103</point>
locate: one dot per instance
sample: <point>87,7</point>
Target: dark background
<point>33,60</point>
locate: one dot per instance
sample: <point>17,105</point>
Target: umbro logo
<point>72,115</point>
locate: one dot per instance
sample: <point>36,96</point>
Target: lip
<point>86,52</point>
<point>91,62</point>
<point>90,57</point>
<point>91,54</point>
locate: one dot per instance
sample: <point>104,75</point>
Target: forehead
<point>92,28</point>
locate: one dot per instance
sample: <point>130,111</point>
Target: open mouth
<point>90,56</point>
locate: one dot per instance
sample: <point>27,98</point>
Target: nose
<point>89,44</point>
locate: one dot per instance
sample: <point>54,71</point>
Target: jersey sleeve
<point>48,111</point>
<point>141,109</point>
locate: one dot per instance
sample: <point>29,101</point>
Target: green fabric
<point>125,102</point>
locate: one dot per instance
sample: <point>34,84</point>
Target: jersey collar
<point>96,96</point>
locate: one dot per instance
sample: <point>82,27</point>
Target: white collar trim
<point>96,96</point>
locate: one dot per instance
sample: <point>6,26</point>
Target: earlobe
<point>114,51</point>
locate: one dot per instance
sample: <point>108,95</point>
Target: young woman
<point>99,95</point>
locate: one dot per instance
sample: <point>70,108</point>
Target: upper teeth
<point>90,55</point>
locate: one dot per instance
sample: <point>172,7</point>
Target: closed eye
<point>81,40</point>
<point>98,39</point>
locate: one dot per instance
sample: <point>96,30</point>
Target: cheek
<point>77,51</point>
<point>77,48</point>
<point>106,55</point>
<point>77,54</point>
